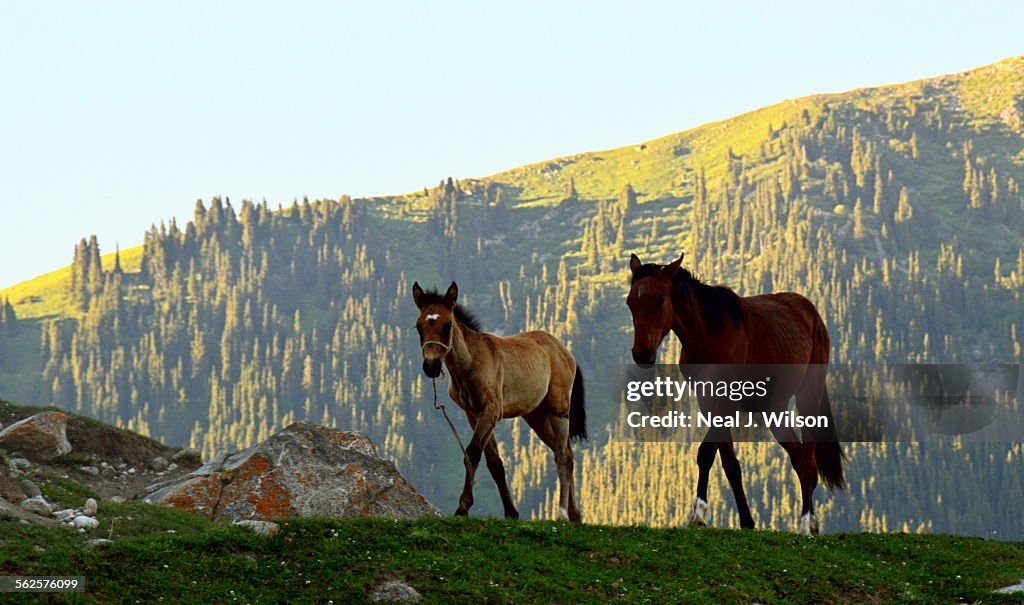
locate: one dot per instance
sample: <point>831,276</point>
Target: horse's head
<point>650,302</point>
<point>435,325</point>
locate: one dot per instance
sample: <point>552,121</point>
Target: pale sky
<point>115,115</point>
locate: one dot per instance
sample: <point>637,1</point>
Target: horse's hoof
<point>699,517</point>
<point>809,524</point>
<point>461,513</point>
<point>513,515</point>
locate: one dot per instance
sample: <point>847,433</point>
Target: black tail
<point>577,409</point>
<point>827,451</point>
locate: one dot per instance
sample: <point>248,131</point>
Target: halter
<point>447,347</point>
<point>434,342</point>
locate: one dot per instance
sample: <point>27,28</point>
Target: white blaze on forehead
<point>433,316</point>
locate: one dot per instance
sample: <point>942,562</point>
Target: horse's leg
<point>554,432</point>
<point>497,469</point>
<point>802,457</point>
<point>483,430</point>
<point>566,473</point>
<point>705,460</point>
<point>731,466</point>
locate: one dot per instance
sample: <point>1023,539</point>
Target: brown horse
<point>715,326</point>
<point>492,377</point>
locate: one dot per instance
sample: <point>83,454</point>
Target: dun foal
<point>492,377</point>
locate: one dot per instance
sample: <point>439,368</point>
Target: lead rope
<point>440,406</point>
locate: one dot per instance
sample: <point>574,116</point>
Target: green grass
<point>487,560</point>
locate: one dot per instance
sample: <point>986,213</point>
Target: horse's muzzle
<point>645,358</point>
<point>432,367</point>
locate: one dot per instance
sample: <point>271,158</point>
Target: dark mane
<point>463,315</point>
<point>716,302</point>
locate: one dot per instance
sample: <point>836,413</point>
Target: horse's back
<point>784,327</point>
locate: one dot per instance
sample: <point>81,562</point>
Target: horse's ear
<point>451,296</point>
<point>417,294</point>
<point>674,265</point>
<point>634,262</point>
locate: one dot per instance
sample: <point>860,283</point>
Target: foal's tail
<point>827,452</point>
<point>577,409</point>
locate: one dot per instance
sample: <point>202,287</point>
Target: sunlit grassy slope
<point>48,295</point>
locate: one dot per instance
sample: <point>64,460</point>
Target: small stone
<point>118,500</point>
<point>23,521</point>
<point>104,464</point>
<point>262,528</point>
<point>30,489</point>
<point>172,467</point>
<point>21,463</point>
<point>90,470</point>
<point>395,591</point>
<point>131,471</point>
<point>1019,587</point>
<point>65,515</point>
<point>38,548</point>
<point>98,541</point>
<point>84,522</point>
<point>158,464</point>
<point>108,472</point>
<point>37,505</point>
<point>90,507</point>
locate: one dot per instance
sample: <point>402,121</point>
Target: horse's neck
<point>688,326</point>
<point>464,345</point>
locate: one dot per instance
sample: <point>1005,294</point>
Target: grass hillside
<point>157,554</point>
<point>487,560</point>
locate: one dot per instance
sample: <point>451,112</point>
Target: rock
<point>158,464</point>
<point>37,505</point>
<point>20,463</point>
<point>131,471</point>
<point>90,507</point>
<point>40,437</point>
<point>65,515</point>
<point>1019,587</point>
<point>30,489</point>
<point>85,522</point>
<point>118,499</point>
<point>306,470</point>
<point>97,542</point>
<point>262,528</point>
<point>186,454</point>
<point>395,591</point>
<point>90,470</point>
<point>172,467</point>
